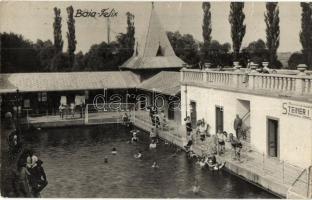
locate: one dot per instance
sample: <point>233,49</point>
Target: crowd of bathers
<point>219,140</point>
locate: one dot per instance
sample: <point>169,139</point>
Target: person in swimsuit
<point>221,142</point>
<point>114,151</point>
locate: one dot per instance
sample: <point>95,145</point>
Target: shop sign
<point>297,110</point>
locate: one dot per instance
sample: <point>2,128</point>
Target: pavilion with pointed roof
<point>153,52</point>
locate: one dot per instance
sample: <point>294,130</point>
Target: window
<point>42,97</point>
<point>160,51</point>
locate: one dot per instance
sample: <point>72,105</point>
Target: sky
<point>34,20</point>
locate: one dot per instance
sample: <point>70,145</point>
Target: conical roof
<point>153,50</point>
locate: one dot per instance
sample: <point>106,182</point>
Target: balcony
<point>274,84</point>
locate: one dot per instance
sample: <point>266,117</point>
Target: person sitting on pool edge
<point>114,151</point>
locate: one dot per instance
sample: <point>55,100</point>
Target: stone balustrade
<point>300,85</point>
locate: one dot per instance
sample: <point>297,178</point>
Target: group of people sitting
<point>220,138</point>
<point>31,177</point>
<point>211,162</point>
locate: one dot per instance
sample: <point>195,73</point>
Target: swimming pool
<point>73,159</point>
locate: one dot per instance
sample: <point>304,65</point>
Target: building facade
<point>276,109</point>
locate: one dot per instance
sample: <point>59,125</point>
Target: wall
<point>295,133</point>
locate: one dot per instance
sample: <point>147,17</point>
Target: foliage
<point>57,27</point>
<point>218,54</point>
<point>238,28</point>
<point>184,46</point>
<point>18,54</point>
<point>257,52</point>
<point>45,52</point>
<point>206,27</point>
<point>306,33</point>
<point>60,63</point>
<point>295,59</point>
<point>71,37</point>
<point>102,57</point>
<point>130,33</point>
<point>272,31</point>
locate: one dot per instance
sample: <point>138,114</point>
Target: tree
<point>238,28</point>
<point>45,52</point>
<point>272,30</point>
<point>184,46</point>
<point>219,54</point>
<point>206,27</point>
<point>130,33</point>
<point>71,37</point>
<point>57,27</point>
<point>79,64</point>
<point>256,52</point>
<point>306,32</point>
<point>18,54</point>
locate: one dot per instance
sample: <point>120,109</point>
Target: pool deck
<point>270,174</point>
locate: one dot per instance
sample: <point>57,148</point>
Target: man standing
<point>237,126</point>
<point>188,126</point>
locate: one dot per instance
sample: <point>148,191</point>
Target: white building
<point>276,109</point>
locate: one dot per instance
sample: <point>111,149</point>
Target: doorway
<point>272,135</point>
<point>219,118</point>
<point>193,113</point>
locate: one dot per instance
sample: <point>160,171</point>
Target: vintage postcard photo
<point>176,99</point>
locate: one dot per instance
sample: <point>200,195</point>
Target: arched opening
<point>160,51</point>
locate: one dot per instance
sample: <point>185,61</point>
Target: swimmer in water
<point>138,155</point>
<point>114,151</point>
<point>105,160</point>
<point>155,165</point>
<point>196,187</point>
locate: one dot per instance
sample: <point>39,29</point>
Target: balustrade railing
<point>281,83</point>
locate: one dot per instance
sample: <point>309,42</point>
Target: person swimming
<point>134,135</point>
<point>155,165</point>
<point>138,155</point>
<point>105,160</point>
<point>114,151</point>
<point>196,188</point>
<point>153,145</point>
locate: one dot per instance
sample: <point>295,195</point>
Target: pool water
<point>73,159</point>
